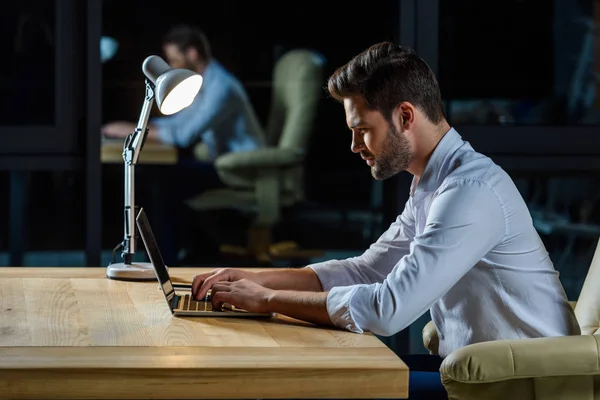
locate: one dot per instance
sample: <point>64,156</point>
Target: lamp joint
<point>149,90</point>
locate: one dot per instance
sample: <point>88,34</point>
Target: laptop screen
<point>154,253</point>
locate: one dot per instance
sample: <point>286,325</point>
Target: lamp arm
<point>131,153</point>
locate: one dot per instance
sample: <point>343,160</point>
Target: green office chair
<point>262,182</point>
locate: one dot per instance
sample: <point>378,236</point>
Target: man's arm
<point>297,279</point>
<point>250,296</point>
<point>465,221</point>
<point>376,262</point>
<point>305,306</point>
<point>372,266</point>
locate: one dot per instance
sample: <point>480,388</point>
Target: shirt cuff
<point>329,273</point>
<point>338,308</point>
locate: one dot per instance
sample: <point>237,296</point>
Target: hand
<point>117,129</point>
<point>202,283</point>
<point>244,293</point>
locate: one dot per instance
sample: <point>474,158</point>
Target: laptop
<point>182,304</point>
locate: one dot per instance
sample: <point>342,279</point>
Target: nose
<point>357,143</point>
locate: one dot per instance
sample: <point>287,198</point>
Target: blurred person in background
<point>221,118</point>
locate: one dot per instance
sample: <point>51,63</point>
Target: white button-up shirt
<point>464,248</point>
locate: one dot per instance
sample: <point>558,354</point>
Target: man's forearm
<point>305,306</point>
<point>300,279</point>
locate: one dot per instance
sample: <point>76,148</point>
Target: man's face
<point>386,150</point>
<point>176,58</point>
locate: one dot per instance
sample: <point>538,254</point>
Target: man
<point>221,116</point>
<point>464,247</point>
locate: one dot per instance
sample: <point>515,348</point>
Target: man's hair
<point>386,74</point>
<point>186,36</point>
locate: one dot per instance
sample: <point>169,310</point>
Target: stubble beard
<point>396,156</point>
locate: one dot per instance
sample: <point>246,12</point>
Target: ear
<point>404,115</point>
<point>192,54</point>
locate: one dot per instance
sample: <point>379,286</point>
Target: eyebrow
<point>356,123</point>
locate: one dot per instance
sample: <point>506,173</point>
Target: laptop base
<point>136,272</point>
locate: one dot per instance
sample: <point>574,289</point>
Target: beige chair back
<point>587,309</point>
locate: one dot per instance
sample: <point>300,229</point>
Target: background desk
<point>71,333</point>
<point>111,152</point>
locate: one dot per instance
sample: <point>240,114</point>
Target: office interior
<point>520,81</point>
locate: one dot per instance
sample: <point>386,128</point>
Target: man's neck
<point>428,141</point>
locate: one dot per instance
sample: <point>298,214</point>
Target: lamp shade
<point>175,88</point>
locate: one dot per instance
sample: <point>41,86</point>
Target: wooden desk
<point>111,152</point>
<point>72,333</point>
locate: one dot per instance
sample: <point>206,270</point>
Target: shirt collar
<point>437,166</point>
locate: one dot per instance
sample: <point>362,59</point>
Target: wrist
<point>271,298</point>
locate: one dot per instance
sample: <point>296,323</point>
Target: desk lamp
<point>174,89</point>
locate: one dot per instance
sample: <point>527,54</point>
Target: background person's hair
<point>385,75</point>
<point>186,36</point>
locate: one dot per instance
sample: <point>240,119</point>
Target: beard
<point>396,156</point>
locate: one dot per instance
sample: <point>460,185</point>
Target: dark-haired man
<point>221,116</point>
<point>464,247</point>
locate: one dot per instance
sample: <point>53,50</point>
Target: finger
<point>205,286</point>
<point>209,282</point>
<point>221,287</point>
<point>217,299</point>
<point>198,280</point>
<point>218,287</point>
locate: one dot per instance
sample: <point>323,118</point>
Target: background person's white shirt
<point>464,248</point>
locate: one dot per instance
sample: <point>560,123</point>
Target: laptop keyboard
<point>188,303</point>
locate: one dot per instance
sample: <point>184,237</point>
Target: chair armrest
<point>431,340</point>
<point>273,157</point>
<point>502,360</point>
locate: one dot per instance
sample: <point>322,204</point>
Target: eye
<point>363,131</point>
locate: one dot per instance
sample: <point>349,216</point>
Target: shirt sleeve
<point>465,221</point>
<point>375,263</point>
<point>189,125</point>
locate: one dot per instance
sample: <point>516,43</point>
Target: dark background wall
<point>247,37</point>
<point>512,60</point>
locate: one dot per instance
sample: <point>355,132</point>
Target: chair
<point>261,182</point>
<point>565,367</point>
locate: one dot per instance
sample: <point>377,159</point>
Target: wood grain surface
<point>72,333</point>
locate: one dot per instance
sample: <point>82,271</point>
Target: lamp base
<point>137,272</point>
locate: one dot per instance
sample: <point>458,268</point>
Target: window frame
<point>58,138</point>
<point>519,147</point>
